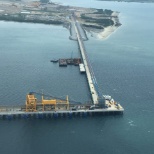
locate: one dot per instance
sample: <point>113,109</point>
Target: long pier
<point>86,63</point>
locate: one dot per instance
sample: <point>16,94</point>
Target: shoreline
<point>106,32</point>
<point>99,22</point>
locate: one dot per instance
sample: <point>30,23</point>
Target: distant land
<point>93,20</point>
<point>139,1</point>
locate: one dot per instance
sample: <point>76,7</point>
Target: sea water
<point>124,68</point>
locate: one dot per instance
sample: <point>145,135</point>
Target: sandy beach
<point>106,32</point>
<point>110,29</point>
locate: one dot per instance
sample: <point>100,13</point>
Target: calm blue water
<point>124,68</point>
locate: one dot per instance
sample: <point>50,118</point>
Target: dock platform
<point>14,112</point>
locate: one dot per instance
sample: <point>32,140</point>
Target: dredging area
<point>56,107</point>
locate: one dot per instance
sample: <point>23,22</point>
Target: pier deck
<point>11,112</point>
<point>86,63</point>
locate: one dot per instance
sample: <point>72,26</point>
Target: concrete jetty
<point>86,62</point>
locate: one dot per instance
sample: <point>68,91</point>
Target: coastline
<point>106,32</point>
<point>99,22</point>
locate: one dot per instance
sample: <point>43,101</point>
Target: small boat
<point>54,61</point>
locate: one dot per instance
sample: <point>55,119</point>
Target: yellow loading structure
<point>31,103</point>
<point>46,104</point>
<point>56,103</point>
